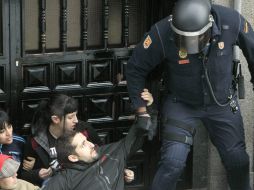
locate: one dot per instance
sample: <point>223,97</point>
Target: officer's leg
<point>172,163</point>
<point>178,124</point>
<point>227,134</point>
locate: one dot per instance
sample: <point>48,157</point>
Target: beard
<point>95,154</point>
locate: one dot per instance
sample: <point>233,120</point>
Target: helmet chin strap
<point>206,49</point>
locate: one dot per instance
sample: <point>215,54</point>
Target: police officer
<point>195,44</point>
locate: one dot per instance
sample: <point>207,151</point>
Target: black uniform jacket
<point>184,74</point>
<point>105,174</point>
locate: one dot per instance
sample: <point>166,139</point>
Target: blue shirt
<point>15,149</point>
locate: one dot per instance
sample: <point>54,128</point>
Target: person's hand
<point>45,173</point>
<point>28,163</point>
<point>147,96</point>
<point>128,175</point>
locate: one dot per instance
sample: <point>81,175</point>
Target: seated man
<point>86,166</point>
<point>8,175</point>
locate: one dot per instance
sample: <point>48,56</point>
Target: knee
<point>173,166</point>
<point>236,160</point>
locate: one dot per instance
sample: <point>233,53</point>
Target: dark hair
<point>4,119</point>
<point>58,105</point>
<point>64,147</point>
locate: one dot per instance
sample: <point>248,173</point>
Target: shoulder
<point>17,138</point>
<point>162,26</point>
<point>223,18</point>
<point>26,185</point>
<point>163,23</point>
<point>58,181</point>
<point>224,12</point>
<point>16,147</point>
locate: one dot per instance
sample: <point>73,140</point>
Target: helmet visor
<point>192,42</point>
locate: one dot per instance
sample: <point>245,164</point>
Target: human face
<point>6,134</point>
<point>85,150</point>
<point>9,182</point>
<point>70,121</point>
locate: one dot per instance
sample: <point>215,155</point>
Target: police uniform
<point>189,99</point>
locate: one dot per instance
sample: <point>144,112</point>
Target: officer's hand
<point>147,123</point>
<point>143,118</point>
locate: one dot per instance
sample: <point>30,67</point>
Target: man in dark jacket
<point>86,166</point>
<point>195,45</point>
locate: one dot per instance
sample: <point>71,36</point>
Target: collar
<point>42,140</point>
<point>80,165</point>
<point>216,27</point>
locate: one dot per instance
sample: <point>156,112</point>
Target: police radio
<point>238,79</point>
<point>241,88</point>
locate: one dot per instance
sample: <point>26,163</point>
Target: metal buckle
<point>188,140</point>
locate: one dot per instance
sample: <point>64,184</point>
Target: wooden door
<point>4,55</point>
<point>81,48</point>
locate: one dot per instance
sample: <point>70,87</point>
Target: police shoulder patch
<point>147,42</point>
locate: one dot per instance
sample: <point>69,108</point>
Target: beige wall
<point>216,173</point>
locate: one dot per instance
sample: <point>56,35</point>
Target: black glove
<point>143,121</point>
<point>147,123</point>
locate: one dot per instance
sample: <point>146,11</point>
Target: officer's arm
<point>145,57</point>
<point>245,40</point>
<point>144,124</point>
<point>135,137</point>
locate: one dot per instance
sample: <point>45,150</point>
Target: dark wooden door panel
<point>1,28</point>
<point>4,56</point>
<point>100,108</point>
<point>100,72</point>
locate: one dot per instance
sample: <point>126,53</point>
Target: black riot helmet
<point>191,21</point>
